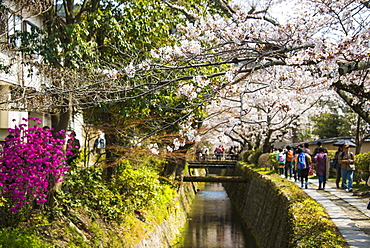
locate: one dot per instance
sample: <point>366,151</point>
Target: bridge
<point>216,164</point>
<point>213,165</point>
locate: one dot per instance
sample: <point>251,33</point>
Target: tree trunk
<point>267,144</point>
<point>60,120</point>
<point>176,163</point>
<point>358,140</point>
<point>111,158</point>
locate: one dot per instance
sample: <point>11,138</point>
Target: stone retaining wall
<point>262,206</point>
<point>168,232</point>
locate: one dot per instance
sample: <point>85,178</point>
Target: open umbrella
<point>344,142</point>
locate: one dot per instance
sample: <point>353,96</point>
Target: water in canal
<point>214,223</point>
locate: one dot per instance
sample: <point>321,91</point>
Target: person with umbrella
<point>336,165</point>
<point>344,142</point>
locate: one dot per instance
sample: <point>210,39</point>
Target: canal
<point>214,222</point>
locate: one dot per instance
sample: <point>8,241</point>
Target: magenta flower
<point>27,163</point>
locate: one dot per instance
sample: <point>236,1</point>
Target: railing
<point>211,164</point>
<point>214,157</point>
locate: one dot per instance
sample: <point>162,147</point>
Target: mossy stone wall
<point>168,232</point>
<point>264,209</point>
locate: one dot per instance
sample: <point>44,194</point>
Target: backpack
<point>301,161</point>
<point>289,156</point>
<point>281,157</point>
<point>350,153</point>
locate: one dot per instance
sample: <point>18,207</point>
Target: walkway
<point>347,211</point>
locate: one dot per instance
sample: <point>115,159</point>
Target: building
<point>17,77</point>
<point>328,143</point>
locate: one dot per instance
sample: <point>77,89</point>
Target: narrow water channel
<point>214,223</point>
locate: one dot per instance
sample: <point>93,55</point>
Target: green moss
<point>21,238</point>
<point>311,224</point>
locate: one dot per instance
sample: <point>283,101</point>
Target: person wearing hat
<point>347,165</point>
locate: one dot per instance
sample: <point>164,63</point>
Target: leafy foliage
<point>272,159</point>
<point>362,161</point>
<point>21,239</point>
<point>132,190</point>
<point>255,155</point>
<point>331,125</point>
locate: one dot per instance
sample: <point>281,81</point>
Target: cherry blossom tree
<point>319,48</point>
<point>256,113</point>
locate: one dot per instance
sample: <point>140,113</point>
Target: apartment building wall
<point>19,75</point>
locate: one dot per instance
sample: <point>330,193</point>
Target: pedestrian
<point>74,148</point>
<point>223,152</point>
<point>232,152</point>
<point>198,153</point>
<point>237,152</point>
<point>99,143</point>
<point>316,150</point>
<point>321,162</point>
<point>281,159</point>
<point>205,152</point>
<point>347,165</point>
<point>295,169</point>
<point>288,162</point>
<point>303,163</point>
<point>336,166</point>
<point>218,152</point>
<point>306,149</point>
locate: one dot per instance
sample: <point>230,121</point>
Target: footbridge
<point>213,166</point>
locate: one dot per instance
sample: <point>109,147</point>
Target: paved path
<point>347,210</point>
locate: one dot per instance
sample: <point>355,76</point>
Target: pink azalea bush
<point>29,162</point>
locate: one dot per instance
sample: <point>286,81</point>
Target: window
<point>3,25</point>
<point>14,26</point>
<point>27,26</point>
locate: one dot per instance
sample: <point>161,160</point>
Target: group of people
<point>299,163</point>
<point>202,153</point>
<point>220,152</point>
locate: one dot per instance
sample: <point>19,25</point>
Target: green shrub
<point>331,153</point>
<point>141,187</point>
<point>272,160</point>
<point>131,190</point>
<point>332,171</point>
<point>245,155</point>
<point>18,238</point>
<point>263,160</point>
<point>255,156</point>
<point>362,161</point>
<point>87,188</point>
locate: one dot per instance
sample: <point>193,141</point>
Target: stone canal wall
<point>168,232</point>
<point>262,206</point>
